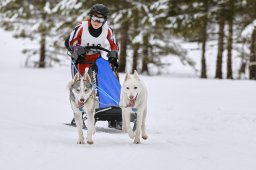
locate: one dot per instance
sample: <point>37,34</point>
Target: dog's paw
<point>131,135</point>
<point>145,137</point>
<point>80,142</point>
<point>136,141</point>
<point>90,142</point>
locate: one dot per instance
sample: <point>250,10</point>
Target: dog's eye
<point>85,90</point>
<point>78,90</point>
<point>135,87</point>
<point>127,88</point>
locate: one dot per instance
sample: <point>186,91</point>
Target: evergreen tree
<point>33,20</point>
<point>145,29</point>
<point>157,35</point>
<point>247,24</point>
<point>205,20</point>
<point>221,13</point>
<point>252,61</point>
<point>231,15</point>
<point>135,45</point>
<point>192,23</point>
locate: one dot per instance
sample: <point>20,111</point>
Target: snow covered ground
<point>192,124</point>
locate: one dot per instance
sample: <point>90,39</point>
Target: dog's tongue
<point>80,104</point>
<point>131,103</point>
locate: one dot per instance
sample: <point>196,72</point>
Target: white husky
<point>134,99</point>
<point>82,99</point>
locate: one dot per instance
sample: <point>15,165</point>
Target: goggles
<point>98,19</point>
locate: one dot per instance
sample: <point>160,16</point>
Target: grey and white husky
<point>82,99</point>
<point>134,99</point>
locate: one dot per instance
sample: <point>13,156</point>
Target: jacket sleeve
<point>74,37</point>
<point>112,40</point>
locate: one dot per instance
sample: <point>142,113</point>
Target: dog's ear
<point>127,76</point>
<point>70,84</point>
<point>76,78</point>
<point>87,77</point>
<point>136,75</point>
<point>86,70</point>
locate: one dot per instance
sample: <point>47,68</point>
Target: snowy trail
<point>192,124</point>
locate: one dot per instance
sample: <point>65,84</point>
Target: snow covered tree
<point>251,31</point>
<point>191,20</point>
<point>246,24</point>
<point>140,25</point>
<point>204,23</point>
<point>227,11</point>
<point>221,35</point>
<point>148,35</point>
<point>121,21</point>
<point>230,18</point>
<point>39,21</point>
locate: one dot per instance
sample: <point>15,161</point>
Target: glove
<point>112,54</point>
<point>112,58</point>
<point>78,53</point>
<point>114,62</point>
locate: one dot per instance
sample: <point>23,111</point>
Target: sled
<point>106,83</point>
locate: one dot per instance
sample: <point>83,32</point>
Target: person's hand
<point>112,54</point>
<point>113,61</point>
<point>112,58</point>
<point>78,53</point>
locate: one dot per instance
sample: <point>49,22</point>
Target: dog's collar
<point>134,110</point>
<point>81,109</point>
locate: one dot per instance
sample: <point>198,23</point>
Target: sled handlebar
<point>81,50</point>
<point>96,48</point>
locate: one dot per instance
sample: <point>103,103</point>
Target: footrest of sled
<point>109,113</point>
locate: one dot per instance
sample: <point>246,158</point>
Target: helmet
<point>100,9</point>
